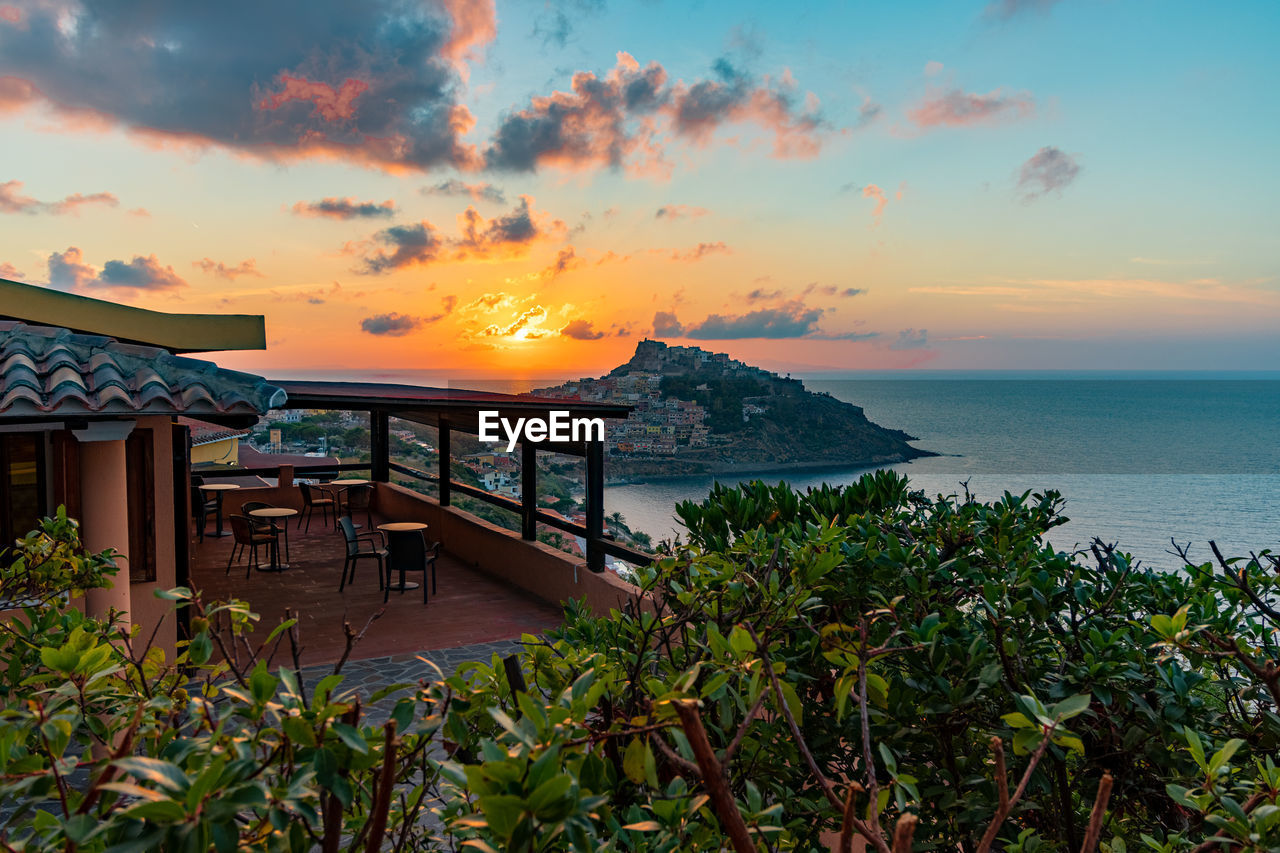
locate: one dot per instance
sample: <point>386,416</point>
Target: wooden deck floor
<point>470,607</point>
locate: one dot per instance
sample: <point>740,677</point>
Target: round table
<point>274,512</point>
<point>403,527</point>
<point>218,489</point>
<point>337,486</point>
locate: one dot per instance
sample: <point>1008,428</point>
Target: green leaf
<point>1072,706</point>
<point>1070,742</point>
<point>793,701</point>
<point>155,770</point>
<point>503,812</point>
<point>1025,740</point>
<point>633,761</point>
<point>890,763</point>
<point>740,641</point>
<point>1017,720</point>
<point>544,801</point>
<point>351,737</point>
<point>1223,756</point>
<point>157,811</point>
<point>80,827</point>
<point>262,683</point>
<point>1195,748</point>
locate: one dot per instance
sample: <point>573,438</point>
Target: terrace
<point>471,606</point>
<point>494,583</point>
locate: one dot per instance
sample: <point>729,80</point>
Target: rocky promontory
<point>699,412</point>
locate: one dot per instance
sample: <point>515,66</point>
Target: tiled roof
<point>203,432</point>
<point>47,370</point>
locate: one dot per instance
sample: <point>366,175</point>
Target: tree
<point>801,670</point>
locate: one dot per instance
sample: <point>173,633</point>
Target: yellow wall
<point>226,452</point>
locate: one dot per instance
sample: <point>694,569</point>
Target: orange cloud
<point>16,94</point>
<point>475,24</point>
<point>510,235</point>
<point>566,260</point>
<point>345,208</point>
<point>330,104</point>
<point>700,251</point>
<point>873,191</point>
<point>624,119</point>
<point>506,236</point>
<point>230,273</point>
<point>955,108</point>
<point>12,201</point>
<point>680,211</point>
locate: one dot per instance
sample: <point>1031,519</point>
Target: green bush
<point>801,670</point>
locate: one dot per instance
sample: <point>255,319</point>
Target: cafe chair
<point>247,536</point>
<point>359,499</point>
<point>311,500</point>
<point>408,552</point>
<point>202,505</point>
<point>264,525</point>
<point>355,552</point>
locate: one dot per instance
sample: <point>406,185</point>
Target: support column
<point>444,461</point>
<point>380,446</point>
<point>104,509</point>
<point>595,505</point>
<point>528,490</point>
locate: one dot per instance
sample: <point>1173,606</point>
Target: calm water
<point>1140,459</point>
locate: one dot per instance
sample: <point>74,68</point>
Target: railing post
<point>528,490</point>
<point>380,446</point>
<point>444,461</point>
<point>595,505</point>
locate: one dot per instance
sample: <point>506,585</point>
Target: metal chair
<point>249,506</point>
<point>407,551</point>
<point>355,552</point>
<point>309,503</point>
<point>358,498</point>
<point>246,536</point>
<point>201,505</point>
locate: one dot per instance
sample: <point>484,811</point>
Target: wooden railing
<point>605,545</point>
<point>609,546</point>
<point>303,470</point>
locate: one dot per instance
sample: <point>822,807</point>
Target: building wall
<point>226,452</point>
<point>147,610</point>
<point>143,607</point>
<point>543,571</point>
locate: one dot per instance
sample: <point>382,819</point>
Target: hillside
<point>701,412</point>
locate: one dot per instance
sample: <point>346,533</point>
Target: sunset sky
<point>531,188</point>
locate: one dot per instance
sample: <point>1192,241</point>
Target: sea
<point>1142,459</point>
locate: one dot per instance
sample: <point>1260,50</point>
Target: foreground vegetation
<point>802,671</point>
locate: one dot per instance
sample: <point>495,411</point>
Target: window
<point>22,479</point>
<point>140,463</point>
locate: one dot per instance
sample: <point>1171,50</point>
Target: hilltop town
<point>696,411</point>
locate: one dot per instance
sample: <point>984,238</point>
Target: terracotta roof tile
<point>47,370</point>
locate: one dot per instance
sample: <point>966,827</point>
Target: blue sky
<point>1042,184</point>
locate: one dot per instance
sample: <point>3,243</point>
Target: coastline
<point>718,469</point>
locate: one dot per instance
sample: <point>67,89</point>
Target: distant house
<point>288,416</point>
<point>501,484</point>
<point>212,444</point>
